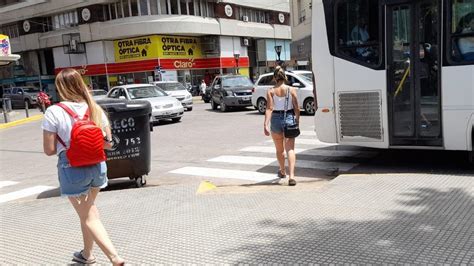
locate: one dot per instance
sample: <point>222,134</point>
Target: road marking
<point>307,133</point>
<point>264,161</point>
<point>225,173</point>
<point>315,142</point>
<point>7,183</point>
<point>314,152</point>
<point>24,193</point>
<point>21,121</point>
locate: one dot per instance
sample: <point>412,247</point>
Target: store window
<point>358,37</point>
<point>462,31</point>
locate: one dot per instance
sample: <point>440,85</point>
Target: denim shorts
<point>277,122</point>
<point>77,181</point>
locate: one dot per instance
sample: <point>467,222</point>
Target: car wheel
<point>190,109</point>
<point>261,105</point>
<point>309,106</point>
<point>224,107</point>
<point>213,105</point>
<point>177,119</point>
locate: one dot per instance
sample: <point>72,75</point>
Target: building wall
<point>301,33</point>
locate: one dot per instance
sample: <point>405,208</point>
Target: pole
<point>106,69</point>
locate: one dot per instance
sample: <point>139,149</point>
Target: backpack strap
<point>61,141</point>
<point>69,111</point>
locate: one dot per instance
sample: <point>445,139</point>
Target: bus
<point>395,73</point>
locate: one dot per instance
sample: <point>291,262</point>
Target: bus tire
<point>471,152</point>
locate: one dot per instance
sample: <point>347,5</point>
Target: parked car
<point>177,90</point>
<point>21,95</point>
<point>301,80</point>
<point>163,106</point>
<point>98,94</point>
<point>231,91</point>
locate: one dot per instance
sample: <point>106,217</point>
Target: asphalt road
<point>225,148</point>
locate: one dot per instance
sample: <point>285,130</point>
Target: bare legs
<point>92,228</point>
<point>282,144</point>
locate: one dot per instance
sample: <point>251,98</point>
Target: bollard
<point>7,107</point>
<point>27,103</point>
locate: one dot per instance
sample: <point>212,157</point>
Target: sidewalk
<point>19,114</point>
<point>405,218</point>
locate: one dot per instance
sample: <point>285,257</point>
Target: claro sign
<point>157,46</point>
<point>179,64</point>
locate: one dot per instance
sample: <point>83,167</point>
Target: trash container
<point>130,153</point>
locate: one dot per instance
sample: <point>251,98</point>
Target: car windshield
<point>98,92</point>
<point>31,90</point>
<point>171,86</point>
<point>145,92</point>
<point>308,77</point>
<point>236,82</point>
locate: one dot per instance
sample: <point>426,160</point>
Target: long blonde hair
<point>71,87</point>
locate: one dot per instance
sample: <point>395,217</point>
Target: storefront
<point>158,57</point>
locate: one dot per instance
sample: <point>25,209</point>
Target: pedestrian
<point>203,87</point>
<point>43,101</point>
<point>80,184</point>
<point>282,109</point>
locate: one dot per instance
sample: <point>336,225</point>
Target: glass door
<point>413,29</point>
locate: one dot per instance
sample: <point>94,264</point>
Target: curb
<point>21,121</point>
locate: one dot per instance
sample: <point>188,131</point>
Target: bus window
<point>462,31</point>
<point>357,31</point>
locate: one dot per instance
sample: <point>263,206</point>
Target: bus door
<point>413,60</point>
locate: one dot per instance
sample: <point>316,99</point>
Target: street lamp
<point>237,56</point>
<point>278,52</point>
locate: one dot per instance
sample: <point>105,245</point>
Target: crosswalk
<point>258,164</point>
<point>19,191</point>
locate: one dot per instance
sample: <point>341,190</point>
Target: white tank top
<point>279,102</point>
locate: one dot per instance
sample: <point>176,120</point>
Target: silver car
<point>163,106</point>
<point>20,96</point>
<point>177,90</point>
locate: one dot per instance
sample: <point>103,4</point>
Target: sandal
<point>292,182</point>
<point>280,175</point>
<point>78,257</point>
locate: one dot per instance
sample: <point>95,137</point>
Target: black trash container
<point>130,155</point>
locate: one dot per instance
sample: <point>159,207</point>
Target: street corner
<point>21,121</point>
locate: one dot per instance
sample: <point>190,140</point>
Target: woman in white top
<point>80,184</point>
<point>275,115</point>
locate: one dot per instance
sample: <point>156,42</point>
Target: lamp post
<point>278,52</point>
<point>237,56</point>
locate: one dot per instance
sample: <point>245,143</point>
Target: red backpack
<point>87,141</point>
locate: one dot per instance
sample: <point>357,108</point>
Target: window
<point>267,81</point>
<point>174,7</point>
<point>65,20</point>
<point>115,93</point>
<point>302,16</point>
<point>11,31</point>
<point>292,80</point>
<point>143,7</point>
<point>357,31</point>
<point>154,7</point>
<point>133,7</point>
<point>462,31</point>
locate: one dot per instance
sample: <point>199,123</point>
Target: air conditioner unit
<point>73,45</point>
<point>245,18</point>
<point>245,42</point>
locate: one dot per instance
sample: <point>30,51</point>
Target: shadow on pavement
<point>430,226</point>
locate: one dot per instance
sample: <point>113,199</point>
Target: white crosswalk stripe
<point>7,183</point>
<point>23,193</point>
<point>320,156</point>
<point>263,161</point>
<point>314,152</point>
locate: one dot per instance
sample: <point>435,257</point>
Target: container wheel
<point>140,181</point>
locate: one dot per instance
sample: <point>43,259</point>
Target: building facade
<point>138,41</point>
<point>301,34</point>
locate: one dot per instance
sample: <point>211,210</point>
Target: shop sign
<point>136,48</point>
<point>157,46</point>
<point>82,70</point>
<point>179,47</point>
<point>179,64</point>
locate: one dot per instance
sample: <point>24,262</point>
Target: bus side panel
<point>354,78</point>
<point>323,67</point>
<point>457,99</point>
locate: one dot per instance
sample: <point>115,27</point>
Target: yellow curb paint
<point>21,121</point>
<point>205,186</point>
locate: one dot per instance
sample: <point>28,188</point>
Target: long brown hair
<point>279,74</point>
<point>71,87</point>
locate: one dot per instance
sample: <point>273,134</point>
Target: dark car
<point>231,91</point>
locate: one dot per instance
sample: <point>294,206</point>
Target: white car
<point>301,80</point>
<point>163,106</point>
<point>177,90</point>
<point>98,94</point>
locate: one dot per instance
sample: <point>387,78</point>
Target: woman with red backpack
<point>77,131</point>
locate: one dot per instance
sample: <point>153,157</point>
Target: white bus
<point>395,73</point>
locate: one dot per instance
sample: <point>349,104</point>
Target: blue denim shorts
<point>277,122</point>
<point>77,181</point>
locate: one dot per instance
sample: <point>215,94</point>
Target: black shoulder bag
<point>291,128</point>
